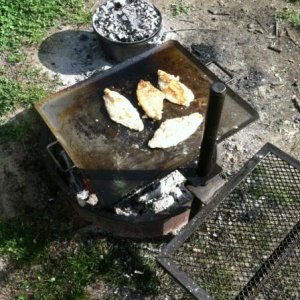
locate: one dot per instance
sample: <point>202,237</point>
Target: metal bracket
<point>206,192</point>
<point>221,68</point>
<point>55,160</point>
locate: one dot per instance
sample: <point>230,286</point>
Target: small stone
<point>297,120</point>
<point>251,26</point>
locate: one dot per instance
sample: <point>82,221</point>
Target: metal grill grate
<point>237,242</point>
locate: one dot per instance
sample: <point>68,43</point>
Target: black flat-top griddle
<point>115,158</point>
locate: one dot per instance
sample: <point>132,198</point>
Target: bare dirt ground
<point>237,34</point>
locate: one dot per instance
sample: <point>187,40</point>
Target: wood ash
<point>85,197</point>
<point>166,194</point>
<point>127,20</point>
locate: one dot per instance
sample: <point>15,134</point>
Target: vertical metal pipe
<point>212,120</point>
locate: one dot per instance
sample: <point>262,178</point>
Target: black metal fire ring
<point>246,243</point>
<point>123,226</point>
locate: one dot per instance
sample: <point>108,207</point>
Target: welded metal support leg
<point>208,181</point>
<point>206,163</point>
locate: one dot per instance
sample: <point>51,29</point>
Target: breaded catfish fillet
<point>151,99</point>
<point>175,91</point>
<point>122,111</point>
<point>173,131</point>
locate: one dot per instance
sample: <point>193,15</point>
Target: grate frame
<point>275,286</point>
<point>256,282</point>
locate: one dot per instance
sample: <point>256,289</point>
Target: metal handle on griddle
<point>212,120</point>
<point>55,160</point>
<point>222,68</point>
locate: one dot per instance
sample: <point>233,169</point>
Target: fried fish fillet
<point>151,99</point>
<point>173,131</point>
<point>122,111</point>
<point>175,91</point>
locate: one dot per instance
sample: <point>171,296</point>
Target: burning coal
<point>127,20</point>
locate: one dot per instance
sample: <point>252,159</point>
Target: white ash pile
<point>84,197</point>
<point>166,194</point>
<point>127,20</point>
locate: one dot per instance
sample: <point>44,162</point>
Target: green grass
<point>179,7</point>
<point>17,131</point>
<point>27,21</point>
<point>64,274</point>
<point>23,238</point>
<point>23,23</point>
<point>27,86</point>
<point>14,94</point>
<point>290,15</point>
<point>54,266</point>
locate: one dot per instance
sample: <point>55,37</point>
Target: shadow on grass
<point>48,259</point>
<point>23,180</point>
<point>56,265</point>
<point>18,127</point>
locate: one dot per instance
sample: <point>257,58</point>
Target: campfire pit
<point>125,169</point>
